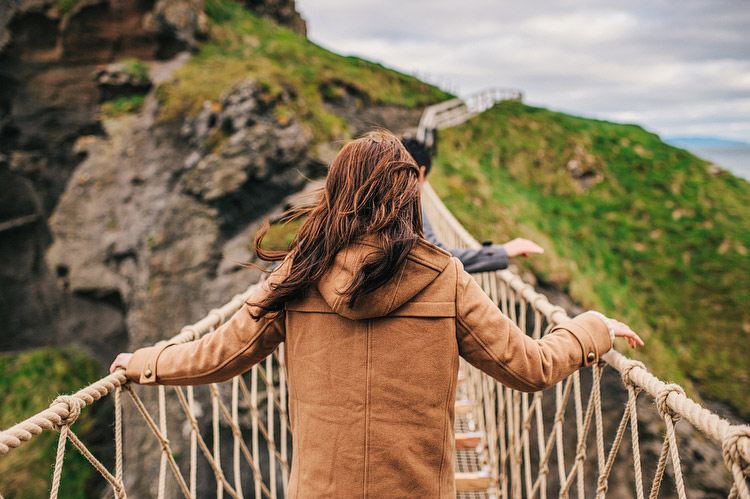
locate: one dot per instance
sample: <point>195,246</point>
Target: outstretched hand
<point>522,247</point>
<point>120,362</point>
<point>623,331</point>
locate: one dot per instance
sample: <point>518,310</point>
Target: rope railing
<point>534,444</point>
<point>512,428</point>
<point>64,411</point>
<point>521,454</point>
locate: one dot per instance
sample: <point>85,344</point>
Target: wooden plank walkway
<point>473,476</point>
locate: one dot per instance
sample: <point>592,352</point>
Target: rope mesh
<point>515,423</point>
<point>524,453</point>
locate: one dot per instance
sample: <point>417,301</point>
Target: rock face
<point>53,76</point>
<point>146,219</point>
<point>122,79</point>
<point>24,237</point>
<point>115,234</point>
<point>48,99</point>
<point>48,95</point>
<point>283,12</point>
<point>255,158</point>
<point>145,215</point>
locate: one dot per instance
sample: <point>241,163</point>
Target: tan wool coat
<point>372,388</point>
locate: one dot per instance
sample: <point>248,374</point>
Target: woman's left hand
<point>622,330</point>
<point>121,361</point>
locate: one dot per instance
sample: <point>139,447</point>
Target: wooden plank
<point>477,480</point>
<point>464,407</point>
<point>469,440</point>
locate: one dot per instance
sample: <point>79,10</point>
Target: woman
<point>374,319</point>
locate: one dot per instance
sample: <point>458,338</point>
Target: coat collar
<point>423,264</point>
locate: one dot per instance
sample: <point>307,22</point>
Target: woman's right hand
<point>622,330</point>
<point>120,362</point>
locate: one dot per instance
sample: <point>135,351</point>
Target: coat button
<point>148,372</point>
<point>590,357</point>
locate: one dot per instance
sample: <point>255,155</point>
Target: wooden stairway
<point>473,476</point>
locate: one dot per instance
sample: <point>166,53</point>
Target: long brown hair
<point>372,187</point>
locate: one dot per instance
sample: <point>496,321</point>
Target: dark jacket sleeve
<point>485,259</point>
<point>493,343</point>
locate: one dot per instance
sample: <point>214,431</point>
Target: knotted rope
<point>504,415</point>
<point>73,406</point>
<point>735,449</point>
<point>60,409</point>
<point>665,411</point>
<point>672,404</point>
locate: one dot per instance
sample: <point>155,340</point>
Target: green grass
<point>65,6</point>
<point>280,235</point>
<point>122,106</point>
<point>242,45</point>
<point>30,381</point>
<point>658,241</point>
<point>135,68</point>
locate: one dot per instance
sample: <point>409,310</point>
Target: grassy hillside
<point>29,382</point>
<point>243,45</point>
<point>638,229</point>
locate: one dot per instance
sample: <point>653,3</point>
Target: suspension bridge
<point>508,444</point>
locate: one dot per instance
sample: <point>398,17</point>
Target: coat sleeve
<point>484,259</point>
<point>490,341</point>
<point>232,349</point>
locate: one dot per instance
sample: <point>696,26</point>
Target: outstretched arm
<point>486,258</point>
<point>490,341</point>
<point>232,349</point>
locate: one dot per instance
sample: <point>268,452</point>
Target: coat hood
<point>423,264</point>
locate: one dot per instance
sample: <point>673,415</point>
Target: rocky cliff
<point>52,82</point>
<point>120,222</point>
<point>118,227</point>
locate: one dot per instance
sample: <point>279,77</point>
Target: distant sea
<point>729,155</point>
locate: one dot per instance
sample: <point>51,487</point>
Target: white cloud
<point>581,27</point>
<point>668,67</point>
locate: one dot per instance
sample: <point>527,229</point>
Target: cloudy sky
<point>678,68</point>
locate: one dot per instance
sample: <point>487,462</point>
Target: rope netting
<point>521,452</point>
<point>526,456</point>
<point>265,398</point>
